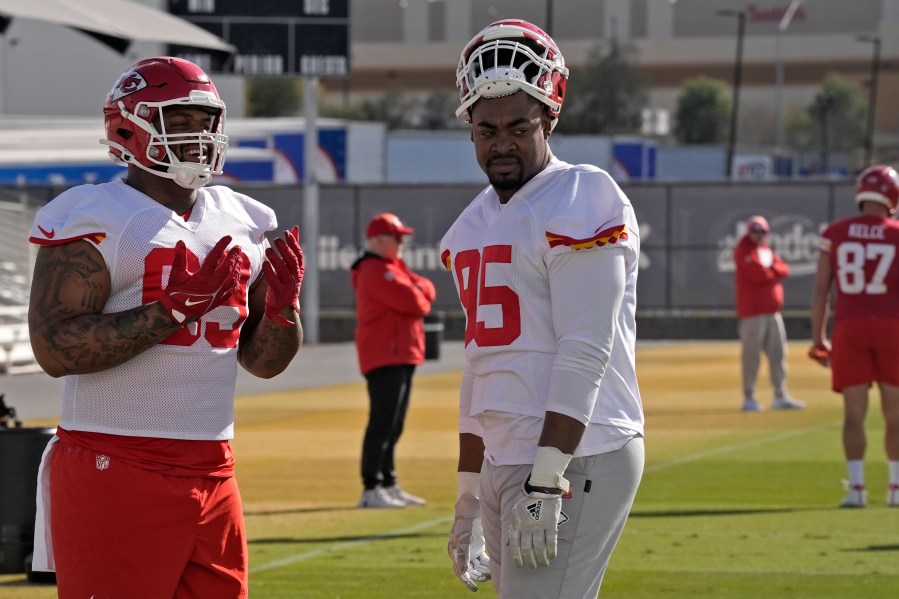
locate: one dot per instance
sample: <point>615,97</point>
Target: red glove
<point>284,274</point>
<point>820,354</point>
<point>189,296</point>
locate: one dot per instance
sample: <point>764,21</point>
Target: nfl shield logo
<point>102,461</point>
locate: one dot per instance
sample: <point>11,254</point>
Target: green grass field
<point>732,505</point>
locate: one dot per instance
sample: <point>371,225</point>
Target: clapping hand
<point>188,295</point>
<point>283,271</point>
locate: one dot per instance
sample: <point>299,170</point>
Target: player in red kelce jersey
<point>859,260</point>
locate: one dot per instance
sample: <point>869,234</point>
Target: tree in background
<point>438,111</point>
<point>608,96</point>
<point>273,96</point>
<point>392,109</point>
<point>799,128</point>
<point>834,121</point>
<point>838,112</point>
<point>403,111</point>
<point>703,110</point>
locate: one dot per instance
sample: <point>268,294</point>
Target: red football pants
<point>122,532</point>
<point>864,350</point>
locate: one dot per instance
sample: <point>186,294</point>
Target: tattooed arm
<point>69,332</point>
<point>266,347</point>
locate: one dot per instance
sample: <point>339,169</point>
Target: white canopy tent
<point>116,23</point>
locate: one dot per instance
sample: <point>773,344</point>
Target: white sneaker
<point>787,403</point>
<point>397,493</point>
<point>893,495</point>
<point>751,405</point>
<point>856,496</point>
<point>378,497</point>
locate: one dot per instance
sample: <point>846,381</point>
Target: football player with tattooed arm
<point>148,292</point>
<point>545,264</point>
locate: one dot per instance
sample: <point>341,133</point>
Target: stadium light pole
<point>738,71</point>
<point>779,73</point>
<point>549,18</point>
<point>311,287</point>
<point>874,40</point>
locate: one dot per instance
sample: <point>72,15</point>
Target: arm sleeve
<point>587,288</point>
<point>55,226</point>
<point>467,423</point>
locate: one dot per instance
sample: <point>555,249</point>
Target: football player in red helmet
<point>859,262</point>
<point>879,184</point>
<point>507,56</point>
<point>549,459</point>
<point>136,127</point>
<point>147,293</point>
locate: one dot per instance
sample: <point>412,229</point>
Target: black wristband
<point>528,489</point>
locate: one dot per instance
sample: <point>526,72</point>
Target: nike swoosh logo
<point>189,302</point>
<point>48,234</point>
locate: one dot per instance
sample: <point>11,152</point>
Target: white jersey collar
<point>553,165</point>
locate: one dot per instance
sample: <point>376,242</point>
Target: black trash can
<point>433,334</point>
<point>20,457</point>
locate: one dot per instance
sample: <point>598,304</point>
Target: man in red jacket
<point>760,297</point>
<point>390,341</point>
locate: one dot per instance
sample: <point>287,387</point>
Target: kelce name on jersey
<point>862,231</point>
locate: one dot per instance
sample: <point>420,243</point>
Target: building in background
<point>411,47</point>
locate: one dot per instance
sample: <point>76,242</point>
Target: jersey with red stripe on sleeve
<point>865,266</point>
<point>182,388</point>
<point>501,256</point>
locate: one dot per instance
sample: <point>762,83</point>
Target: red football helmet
<point>135,128</point>
<point>879,184</point>
<point>507,56</point>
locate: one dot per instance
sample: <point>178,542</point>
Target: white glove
<point>533,535</point>
<point>466,544</point>
<point>479,561</point>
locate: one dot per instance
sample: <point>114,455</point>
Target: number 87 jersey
<point>502,256</point>
<point>862,251</point>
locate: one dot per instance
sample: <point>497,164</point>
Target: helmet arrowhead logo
<point>127,84</point>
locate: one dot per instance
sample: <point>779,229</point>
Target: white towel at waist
<point>42,560</point>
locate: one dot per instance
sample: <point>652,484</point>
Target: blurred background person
<point>391,302</point>
<point>858,260</point>
<point>760,298</point>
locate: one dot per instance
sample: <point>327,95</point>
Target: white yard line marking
<point>301,557</point>
<point>306,555</point>
<point>738,446</point>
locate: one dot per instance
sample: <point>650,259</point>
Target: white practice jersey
<point>182,388</point>
<point>502,259</point>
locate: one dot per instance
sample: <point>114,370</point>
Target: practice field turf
<point>732,505</point>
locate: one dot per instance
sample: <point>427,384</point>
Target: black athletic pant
<point>388,396</point>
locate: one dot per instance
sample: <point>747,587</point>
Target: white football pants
<point>603,488</point>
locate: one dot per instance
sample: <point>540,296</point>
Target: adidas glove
<point>188,295</point>
<point>466,544</point>
<point>284,274</point>
<point>479,562</point>
<point>532,537</point>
